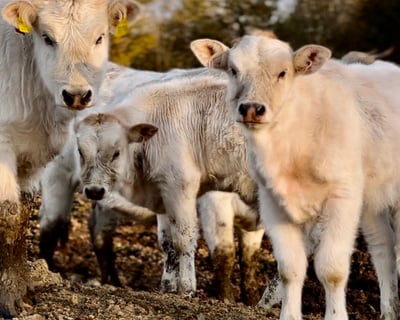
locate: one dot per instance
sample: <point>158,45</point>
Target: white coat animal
<point>52,60</point>
<point>190,154</point>
<point>324,143</point>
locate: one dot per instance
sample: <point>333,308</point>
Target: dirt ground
<point>79,295</point>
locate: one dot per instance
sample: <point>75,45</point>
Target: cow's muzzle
<point>94,192</point>
<point>252,113</point>
<point>77,101</point>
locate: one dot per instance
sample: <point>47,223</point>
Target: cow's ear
<point>310,58</point>
<point>210,53</point>
<point>21,14</point>
<point>141,132</point>
<point>120,12</point>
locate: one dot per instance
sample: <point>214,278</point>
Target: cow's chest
<point>291,180</point>
<point>35,148</point>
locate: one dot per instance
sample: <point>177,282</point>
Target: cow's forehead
<point>101,136</point>
<point>253,52</point>
<point>111,135</point>
<point>82,17</point>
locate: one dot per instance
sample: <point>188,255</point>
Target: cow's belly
<point>239,182</point>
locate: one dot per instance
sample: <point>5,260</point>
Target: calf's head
<point>103,145</point>
<point>70,42</point>
<point>261,70</point>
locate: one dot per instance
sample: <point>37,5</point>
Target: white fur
<point>324,151</point>
<point>193,148</point>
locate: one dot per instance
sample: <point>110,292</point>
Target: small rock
<point>76,278</point>
<point>75,299</point>
<point>41,276</point>
<point>93,283</point>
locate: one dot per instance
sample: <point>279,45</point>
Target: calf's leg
<point>102,225</point>
<point>58,185</point>
<point>179,197</point>
<point>249,244</point>
<point>13,223</point>
<point>169,278</point>
<point>290,253</point>
<point>217,217</point>
<point>340,219</point>
<point>380,238</point>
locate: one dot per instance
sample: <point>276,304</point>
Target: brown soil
<point>79,294</point>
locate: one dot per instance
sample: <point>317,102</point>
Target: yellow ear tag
<point>122,28</point>
<point>23,27</point>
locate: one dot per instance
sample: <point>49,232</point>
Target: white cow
<point>190,154</point>
<point>324,143</point>
<point>52,60</point>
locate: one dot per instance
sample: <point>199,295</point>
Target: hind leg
<point>250,242</point>
<point>216,216</point>
<point>380,238</point>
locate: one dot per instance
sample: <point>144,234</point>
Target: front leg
<point>58,184</point>
<point>179,199</point>
<point>169,278</point>
<point>13,223</point>
<point>290,254</point>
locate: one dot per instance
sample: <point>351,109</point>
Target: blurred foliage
<point>342,25</point>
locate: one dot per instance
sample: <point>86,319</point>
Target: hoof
<point>11,300</point>
<point>168,286</point>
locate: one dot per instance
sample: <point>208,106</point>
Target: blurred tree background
<point>159,39</point>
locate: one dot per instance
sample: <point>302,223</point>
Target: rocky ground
<point>77,293</point>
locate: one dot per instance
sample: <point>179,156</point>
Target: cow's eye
<point>233,72</point>
<point>48,40</point>
<point>115,155</point>
<point>282,75</point>
<point>99,39</point>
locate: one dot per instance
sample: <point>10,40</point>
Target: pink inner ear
<point>210,50</point>
<point>312,56</point>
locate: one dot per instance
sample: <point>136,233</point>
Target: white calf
<point>324,143</point>
<point>190,154</point>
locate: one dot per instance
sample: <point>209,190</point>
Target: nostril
<point>101,192</point>
<point>68,98</point>
<point>86,97</point>
<point>88,193</point>
<point>95,193</point>
<point>243,109</point>
<point>260,110</point>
